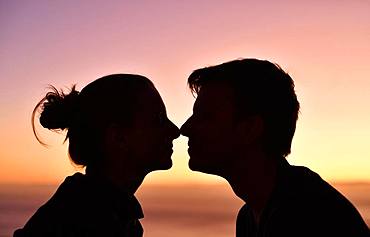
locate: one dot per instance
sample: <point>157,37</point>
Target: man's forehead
<point>216,94</point>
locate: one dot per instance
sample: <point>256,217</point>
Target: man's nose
<point>184,130</point>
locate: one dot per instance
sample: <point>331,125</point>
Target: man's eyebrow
<point>196,105</point>
<point>163,109</point>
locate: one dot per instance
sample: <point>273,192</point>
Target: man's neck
<point>254,182</point>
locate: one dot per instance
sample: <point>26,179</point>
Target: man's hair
<point>261,88</point>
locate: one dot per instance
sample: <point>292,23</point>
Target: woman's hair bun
<point>58,109</point>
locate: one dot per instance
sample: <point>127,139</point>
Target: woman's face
<point>150,134</point>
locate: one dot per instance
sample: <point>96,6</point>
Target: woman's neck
<point>128,182</point>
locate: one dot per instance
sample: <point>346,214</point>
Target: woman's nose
<point>175,131</point>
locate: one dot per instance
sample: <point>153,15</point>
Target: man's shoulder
<point>308,201</point>
<point>303,204</point>
<point>304,189</point>
<point>304,185</point>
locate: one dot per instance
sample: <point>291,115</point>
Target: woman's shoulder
<point>82,205</point>
<point>62,209</point>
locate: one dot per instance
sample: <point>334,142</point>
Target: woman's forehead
<point>149,100</point>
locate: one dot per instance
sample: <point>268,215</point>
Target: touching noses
<point>184,130</point>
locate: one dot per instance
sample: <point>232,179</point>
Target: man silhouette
<point>242,126</point>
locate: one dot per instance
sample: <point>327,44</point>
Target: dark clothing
<point>302,204</point>
<point>83,206</point>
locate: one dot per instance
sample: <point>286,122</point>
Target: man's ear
<point>250,129</point>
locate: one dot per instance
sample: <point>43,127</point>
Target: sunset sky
<point>323,45</point>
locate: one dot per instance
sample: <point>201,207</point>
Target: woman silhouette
<point>118,129</point>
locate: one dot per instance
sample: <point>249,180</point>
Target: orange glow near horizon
<point>324,46</point>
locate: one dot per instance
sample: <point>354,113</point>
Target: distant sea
<point>185,210</point>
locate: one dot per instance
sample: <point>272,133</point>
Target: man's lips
<point>191,147</point>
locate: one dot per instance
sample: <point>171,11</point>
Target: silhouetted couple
<point>242,126</point>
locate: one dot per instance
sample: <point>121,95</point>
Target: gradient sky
<point>324,45</point>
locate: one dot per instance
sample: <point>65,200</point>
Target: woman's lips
<point>168,148</point>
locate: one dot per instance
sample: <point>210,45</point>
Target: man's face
<point>211,129</point>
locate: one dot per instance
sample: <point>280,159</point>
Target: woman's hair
<point>85,115</point>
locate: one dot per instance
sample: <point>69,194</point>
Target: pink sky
<point>323,45</point>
